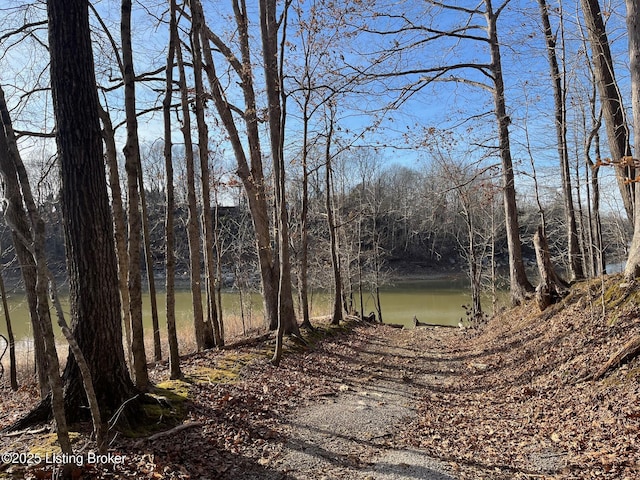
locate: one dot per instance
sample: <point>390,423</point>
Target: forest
<point>290,147</point>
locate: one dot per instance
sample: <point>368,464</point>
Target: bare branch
<point>23,28</point>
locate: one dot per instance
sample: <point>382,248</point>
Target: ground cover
<point>516,399</point>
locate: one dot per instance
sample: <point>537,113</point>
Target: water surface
<point>437,300</point>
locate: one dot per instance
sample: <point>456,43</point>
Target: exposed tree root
<point>128,416</point>
<point>248,342</point>
<point>39,415</point>
<point>167,433</point>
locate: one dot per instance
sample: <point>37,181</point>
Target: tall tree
<point>193,228</point>
<point>278,297</point>
<point>91,259</point>
<point>337,316</point>
<point>119,223</point>
<point>28,230</point>
<point>519,283</point>
<point>632,269</point>
<point>170,256</point>
<point>197,25</point>
<point>459,28</point>
<point>559,101</point>
<point>611,99</point>
<point>132,166</point>
<point>276,105</point>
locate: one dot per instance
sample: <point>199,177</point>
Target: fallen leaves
<point>507,403</point>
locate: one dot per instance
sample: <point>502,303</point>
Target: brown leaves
<point>530,414</point>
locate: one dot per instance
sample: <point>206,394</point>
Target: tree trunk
<point>11,342</point>
<point>632,269</point>
<point>559,100</point>
<point>269,30</point>
<point>20,233</point>
<point>250,168</point>
<point>170,256</point>
<point>612,105</point>
<point>28,270</point>
<point>119,224</point>
<point>132,167</point>
<point>193,230</point>
<point>598,259</point>
<point>25,236</point>
<point>519,284</point>
<point>304,221</point>
<point>148,261</point>
<point>212,325</point>
<point>91,259</point>
<point>551,288</point>
<point>335,264</point>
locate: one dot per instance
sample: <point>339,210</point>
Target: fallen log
<point>629,351</point>
<point>394,325</point>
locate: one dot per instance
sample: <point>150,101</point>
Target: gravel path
<point>352,435</point>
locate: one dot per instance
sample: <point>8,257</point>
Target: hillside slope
<point>513,400</point>
<point>519,398</point>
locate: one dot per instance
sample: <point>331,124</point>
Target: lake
<point>437,300</point>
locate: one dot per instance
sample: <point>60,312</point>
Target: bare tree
<point>23,224</point>
<point>93,274</point>
<point>337,316</point>
<point>119,223</point>
<point>278,297</point>
<point>132,167</point>
<point>559,100</point>
<point>487,76</point>
<point>610,99</point>
<point>632,269</point>
<point>170,256</point>
<point>196,36</point>
<point>193,228</point>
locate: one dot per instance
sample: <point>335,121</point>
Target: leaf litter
<point>512,400</point>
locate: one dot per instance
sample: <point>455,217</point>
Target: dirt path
<point>512,401</point>
<point>356,433</point>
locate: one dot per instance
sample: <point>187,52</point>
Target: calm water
<point>437,300</point>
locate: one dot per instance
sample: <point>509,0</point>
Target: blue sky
<point>443,105</point>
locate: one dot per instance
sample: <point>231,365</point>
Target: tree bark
<point>170,257</point>
<point>337,316</point>
<point>148,261</point>
<point>559,100</point>
<point>632,269</point>
<point>610,98</point>
<point>193,229</point>
<point>197,35</point>
<point>20,230</point>
<point>250,168</point>
<point>91,259</point>
<point>27,227</point>
<point>132,167</point>
<point>304,223</point>
<point>519,284</point>
<point>269,29</point>
<point>551,287</point>
<point>598,258</point>
<point>119,224</point>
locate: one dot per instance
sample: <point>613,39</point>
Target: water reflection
<point>437,300</point>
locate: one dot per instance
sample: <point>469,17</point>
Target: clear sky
<point>340,50</point>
